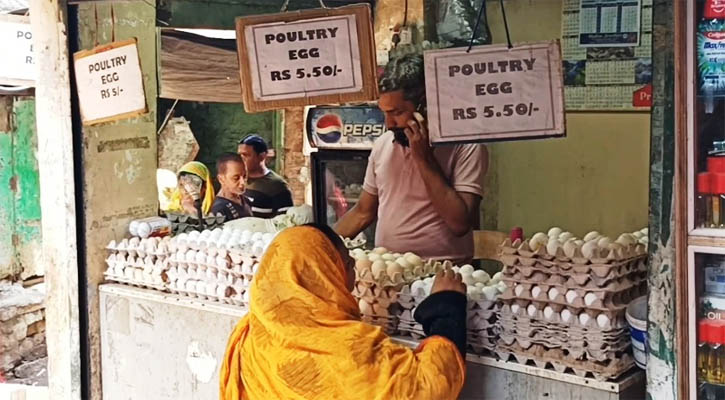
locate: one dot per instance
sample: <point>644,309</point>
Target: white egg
<point>555,232</point>
<point>245,235</point>
<point>591,236</point>
<point>481,276</point>
<point>566,315</point>
<point>626,239</point>
<point>602,320</point>
<point>589,249</point>
<point>473,291</point>
<point>388,257</point>
<point>404,263</point>
<point>553,293</point>
<point>428,281</point>
<point>570,248</point>
<point>456,269</point>
<point>590,298</point>
<point>535,292</point>
<point>380,250</point>
<point>552,247</point>
<point>501,286</point>
<point>531,310</point>
<point>584,318</point>
<point>468,279</point>
<point>496,278</point>
<point>417,286</point>
<point>604,242</point>
<point>519,290</point>
<point>515,308</point>
<point>548,312</point>
<point>258,249</point>
<point>466,269</point>
<point>480,285</point>
<point>256,236</point>
<point>374,257</point>
<point>365,307</point>
<point>378,268</point>
<point>490,292</point>
<point>566,236</point>
<point>413,259</point>
<point>571,295</point>
<point>393,269</point>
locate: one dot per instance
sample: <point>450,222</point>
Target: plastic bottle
<point>147,227</point>
<point>711,52</point>
<point>703,348</point>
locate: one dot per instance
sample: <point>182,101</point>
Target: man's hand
<point>448,280</point>
<point>418,139</point>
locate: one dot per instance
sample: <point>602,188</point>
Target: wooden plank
<point>57,197</point>
<point>486,244</point>
<point>195,68</point>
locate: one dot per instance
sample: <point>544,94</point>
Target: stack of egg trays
<point>482,332</point>
<point>378,296</point>
<point>603,285</point>
<point>184,223</point>
<point>138,262</point>
<point>221,275</point>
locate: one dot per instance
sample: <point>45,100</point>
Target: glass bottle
<point>703,207</point>
<point>720,355</point>
<point>703,349</point>
<point>714,372</point>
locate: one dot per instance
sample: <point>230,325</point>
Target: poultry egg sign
<point>16,46</point>
<point>495,93</point>
<point>109,82</point>
<point>310,57</point>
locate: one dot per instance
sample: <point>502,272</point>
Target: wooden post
<point>57,197</point>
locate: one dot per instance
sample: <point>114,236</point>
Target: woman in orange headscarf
<point>303,338</point>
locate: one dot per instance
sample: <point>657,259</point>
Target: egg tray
<point>574,350</point>
<point>210,274</point>
<point>580,274</point>
<point>616,317</point>
<point>561,362</point>
<point>231,299</point>
<point>114,260</point>
<point>408,297</point>
<point>398,279</point>
<point>600,300</point>
<point>487,329</point>
<point>601,256</point>
<point>386,293</point>
<point>612,333</point>
<point>130,247</point>
<point>162,287</point>
<point>223,259</point>
<point>578,282</point>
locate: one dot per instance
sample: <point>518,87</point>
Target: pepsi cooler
<point>339,140</point>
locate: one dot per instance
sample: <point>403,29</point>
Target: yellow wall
<point>597,178</point>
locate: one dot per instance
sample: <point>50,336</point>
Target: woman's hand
<point>448,280</point>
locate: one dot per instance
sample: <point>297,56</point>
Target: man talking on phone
<point>426,199</point>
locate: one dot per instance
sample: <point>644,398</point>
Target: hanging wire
<point>506,25</point>
<point>322,4</point>
<point>481,10</point>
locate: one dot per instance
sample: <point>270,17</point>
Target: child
<point>232,176</point>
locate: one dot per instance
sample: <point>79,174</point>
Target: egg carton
<point>137,277</point>
<point>406,276</point>
<point>557,329</point>
<point>559,361</point>
<point>576,298</point>
<point>137,246</point>
<point>387,293</point>
<point>576,273</point>
<point>569,281</point>
<point>201,290</point>
<point>522,250</point>
<point>562,314</point>
<point>409,299</point>
<point>576,349</point>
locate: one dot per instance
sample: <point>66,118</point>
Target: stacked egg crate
<point>379,278</point>
<point>565,309</point>
<point>216,265</point>
<point>483,305</point>
<point>139,262</point>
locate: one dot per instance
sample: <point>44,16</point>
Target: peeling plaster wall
<point>19,190</point>
<point>119,183</point>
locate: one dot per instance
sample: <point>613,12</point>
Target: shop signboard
<point>495,93</point>
<point>310,57</point>
<point>109,82</point>
<point>16,46</point>
<point>344,128</point>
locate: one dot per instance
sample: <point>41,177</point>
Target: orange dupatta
<point>303,338</point>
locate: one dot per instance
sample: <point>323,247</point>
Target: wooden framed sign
<point>495,93</point>
<point>109,82</point>
<point>16,46</point>
<point>307,57</point>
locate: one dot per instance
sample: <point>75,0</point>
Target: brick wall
<point>296,165</point>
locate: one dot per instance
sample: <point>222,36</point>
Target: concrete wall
<point>595,178</point>
<point>19,190</point>
<point>119,183</point>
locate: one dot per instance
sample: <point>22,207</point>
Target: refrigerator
<point>339,140</point>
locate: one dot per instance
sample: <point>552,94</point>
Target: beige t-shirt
<point>407,220</point>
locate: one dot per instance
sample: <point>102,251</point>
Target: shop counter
<point>156,345</point>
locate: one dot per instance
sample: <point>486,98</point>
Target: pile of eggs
<point>248,242</point>
<point>479,284</point>
<point>591,246</point>
<point>380,262</point>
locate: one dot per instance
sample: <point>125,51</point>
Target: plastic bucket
<point>637,319</point>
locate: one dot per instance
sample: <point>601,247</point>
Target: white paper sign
<point>109,82</point>
<point>311,57</point>
<point>16,50</point>
<point>495,93</point>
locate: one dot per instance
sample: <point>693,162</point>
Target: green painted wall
<point>595,178</point>
<point>19,194</point>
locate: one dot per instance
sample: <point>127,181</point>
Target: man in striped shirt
<point>267,192</point>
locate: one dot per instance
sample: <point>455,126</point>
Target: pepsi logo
<point>329,128</point>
